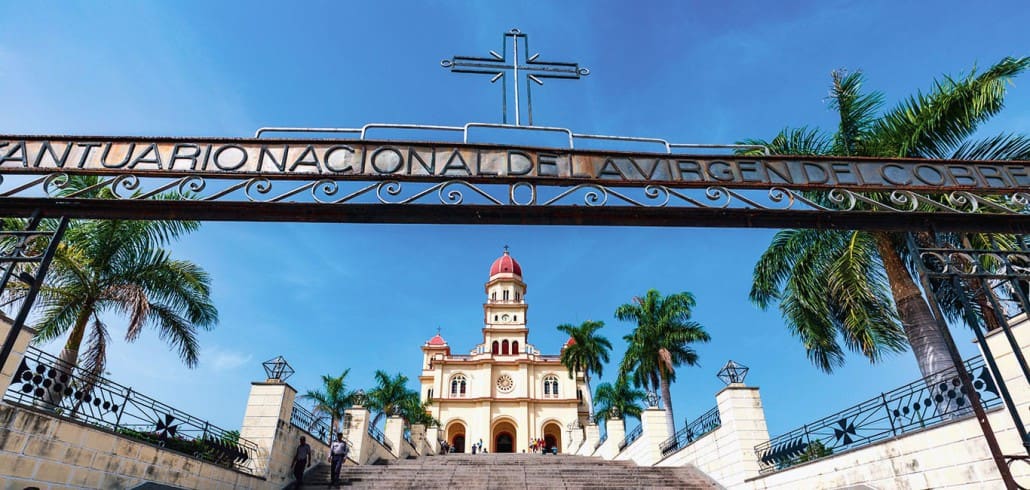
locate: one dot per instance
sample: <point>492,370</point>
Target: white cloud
<point>219,359</point>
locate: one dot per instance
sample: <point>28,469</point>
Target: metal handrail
<point>631,436</point>
<point>378,435</point>
<point>691,432</point>
<point>917,405</point>
<point>572,137</point>
<point>42,381</point>
<point>307,421</point>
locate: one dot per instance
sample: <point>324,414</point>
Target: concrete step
<point>529,471</point>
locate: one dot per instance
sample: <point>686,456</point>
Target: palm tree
<point>660,342</point>
<point>855,287</point>
<point>332,400</point>
<point>415,411</point>
<point>585,352</point>
<point>116,266</point>
<point>617,399</point>
<point>389,395</point>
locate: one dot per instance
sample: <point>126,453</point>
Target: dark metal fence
<point>378,435</point>
<point>632,436</point>
<point>917,405</point>
<point>315,425</point>
<point>43,383</point>
<point>693,431</point>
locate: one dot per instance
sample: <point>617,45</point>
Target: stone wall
<point>949,455</point>
<point>39,450</point>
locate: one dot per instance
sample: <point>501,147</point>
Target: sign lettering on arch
<point>368,160</point>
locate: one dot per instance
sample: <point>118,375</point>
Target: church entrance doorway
<point>456,436</point>
<point>504,437</point>
<point>504,443</point>
<point>552,437</point>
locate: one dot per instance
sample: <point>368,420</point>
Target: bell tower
<point>504,333</point>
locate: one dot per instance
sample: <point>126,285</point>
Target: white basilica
<point>504,392</point>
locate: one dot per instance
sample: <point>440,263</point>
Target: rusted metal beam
<point>510,215</point>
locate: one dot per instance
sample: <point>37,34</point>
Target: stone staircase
<point>506,471</point>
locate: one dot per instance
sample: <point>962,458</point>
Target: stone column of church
<point>592,435</point>
<point>655,432</point>
<point>616,430</point>
<point>357,433</point>
<point>270,402</point>
<point>394,434</point>
<point>14,359</point>
<point>743,427</point>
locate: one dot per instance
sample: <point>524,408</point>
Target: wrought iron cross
<point>499,65</point>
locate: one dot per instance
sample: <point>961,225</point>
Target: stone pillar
<point>575,436</point>
<point>393,432</point>
<point>20,343</point>
<point>655,432</point>
<point>592,435</point>
<point>433,439</point>
<point>418,439</point>
<point>616,429</point>
<point>357,433</point>
<point>270,403</point>
<point>1011,373</point>
<point>743,420</point>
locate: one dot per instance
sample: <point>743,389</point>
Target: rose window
<point>505,384</point>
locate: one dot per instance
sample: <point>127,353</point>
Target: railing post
<point>887,410</point>
<point>125,402</point>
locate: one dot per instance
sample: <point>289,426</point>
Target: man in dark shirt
<point>301,460</point>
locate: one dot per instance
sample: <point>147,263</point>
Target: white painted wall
<point>949,455</point>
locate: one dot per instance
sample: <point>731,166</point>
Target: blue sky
<point>330,297</point>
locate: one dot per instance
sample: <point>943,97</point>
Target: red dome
<point>571,341</point>
<point>505,264</point>
<point>437,340</point>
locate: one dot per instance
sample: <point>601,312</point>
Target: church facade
<point>505,392</point>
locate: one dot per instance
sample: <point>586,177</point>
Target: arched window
<point>518,295</point>
<point>551,386</point>
<point>493,295</point>
<point>494,349</point>
<point>458,385</point>
<point>506,295</point>
<point>504,348</point>
<point>515,318</point>
<point>514,347</point>
<point>429,394</point>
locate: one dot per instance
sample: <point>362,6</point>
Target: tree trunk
<point>670,422</point>
<point>68,358</point>
<point>927,341</point>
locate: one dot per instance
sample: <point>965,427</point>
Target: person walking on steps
<point>337,453</point>
<point>301,460</point>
